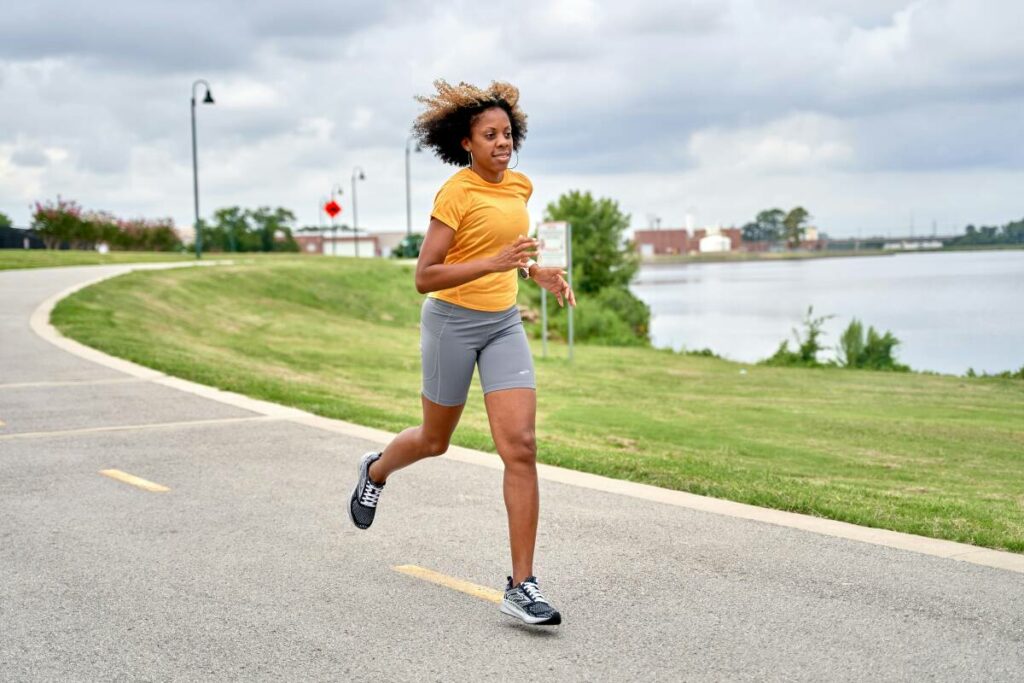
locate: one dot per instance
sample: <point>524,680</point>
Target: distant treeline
<point>1011,233</point>
<point>64,224</point>
<point>776,225</point>
<point>236,229</point>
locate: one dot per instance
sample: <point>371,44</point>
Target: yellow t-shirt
<point>486,217</point>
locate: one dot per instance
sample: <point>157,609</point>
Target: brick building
<point>679,240</point>
<point>338,243</point>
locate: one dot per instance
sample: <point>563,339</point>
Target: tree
<point>767,226</point>
<point>603,266</point>
<point>263,229</point>
<point>794,225</point>
<point>1011,233</point>
<point>57,222</point>
<point>274,229</point>
<point>600,256</point>
<point>230,226</point>
<point>5,220</point>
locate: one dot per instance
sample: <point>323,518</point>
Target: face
<point>490,140</point>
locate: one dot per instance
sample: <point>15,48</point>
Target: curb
<point>962,552</point>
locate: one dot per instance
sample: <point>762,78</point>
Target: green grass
<point>933,455</point>
<point>47,258</point>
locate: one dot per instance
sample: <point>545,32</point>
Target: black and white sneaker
<point>363,504</point>
<point>527,603</point>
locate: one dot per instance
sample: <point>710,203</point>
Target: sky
<point>877,116</point>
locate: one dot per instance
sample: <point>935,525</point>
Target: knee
<point>521,451</point>
<point>433,444</point>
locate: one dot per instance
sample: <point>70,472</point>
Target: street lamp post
<point>195,164</point>
<point>409,149</point>
<point>357,174</point>
<point>335,191</point>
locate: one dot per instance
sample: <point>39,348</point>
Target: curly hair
<point>450,114</point>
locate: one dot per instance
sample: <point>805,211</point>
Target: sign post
<point>554,251</point>
<point>568,252</point>
<point>332,209</point>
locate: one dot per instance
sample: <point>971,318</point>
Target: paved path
<point>249,569</point>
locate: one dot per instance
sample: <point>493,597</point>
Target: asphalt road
<point>248,568</point>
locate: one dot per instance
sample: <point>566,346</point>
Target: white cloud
<point>724,107</point>
<point>799,143</point>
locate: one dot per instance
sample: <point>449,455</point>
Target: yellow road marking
<point>134,481</point>
<point>473,589</point>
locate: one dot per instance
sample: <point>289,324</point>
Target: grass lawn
<point>49,258</point>
<point>933,455</point>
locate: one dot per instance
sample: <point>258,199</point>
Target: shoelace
<point>534,593</point>
<point>370,494</point>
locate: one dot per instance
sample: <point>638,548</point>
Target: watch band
<point>524,272</point>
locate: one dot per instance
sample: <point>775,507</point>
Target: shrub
<point>1005,374</point>
<point>808,346</point>
<point>57,222</point>
<point>611,317</point>
<point>63,222</point>
<point>409,247</point>
<point>603,266</point>
<point>873,351</point>
<point>140,234</point>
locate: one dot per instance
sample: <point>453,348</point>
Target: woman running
<point>475,244</point>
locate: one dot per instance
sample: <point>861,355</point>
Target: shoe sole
<point>514,611</point>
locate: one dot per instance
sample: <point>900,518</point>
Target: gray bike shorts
<point>453,339</point>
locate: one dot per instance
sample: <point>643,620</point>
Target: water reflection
<point>951,310</point>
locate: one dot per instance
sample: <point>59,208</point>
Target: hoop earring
<point>517,160</point>
<point>470,159</point>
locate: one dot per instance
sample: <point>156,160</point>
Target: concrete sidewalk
<point>248,567</point>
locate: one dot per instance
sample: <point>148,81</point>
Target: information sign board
<point>552,252</point>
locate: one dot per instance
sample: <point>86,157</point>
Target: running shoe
<point>527,603</point>
<point>363,504</point>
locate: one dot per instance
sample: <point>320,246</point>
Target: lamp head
<point>209,97</point>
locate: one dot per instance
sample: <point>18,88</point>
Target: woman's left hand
<point>551,279</point>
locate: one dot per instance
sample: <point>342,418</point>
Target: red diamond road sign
<point>332,208</point>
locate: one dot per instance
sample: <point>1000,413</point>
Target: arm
<point>432,274</point>
<point>551,279</point>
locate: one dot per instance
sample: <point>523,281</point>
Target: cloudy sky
<point>873,114</point>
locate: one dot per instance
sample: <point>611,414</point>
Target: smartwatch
<point>524,272</point>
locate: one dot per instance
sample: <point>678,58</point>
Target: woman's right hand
<point>515,255</point>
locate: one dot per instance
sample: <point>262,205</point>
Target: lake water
<point>950,311</point>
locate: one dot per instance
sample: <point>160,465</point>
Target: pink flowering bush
<point>57,222</point>
<point>64,222</point>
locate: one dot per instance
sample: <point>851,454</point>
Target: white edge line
<point>40,319</point>
<point>69,383</point>
<point>56,434</point>
<point>962,552</point>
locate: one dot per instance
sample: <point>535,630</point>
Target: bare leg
<point>512,414</point>
<point>416,443</point>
